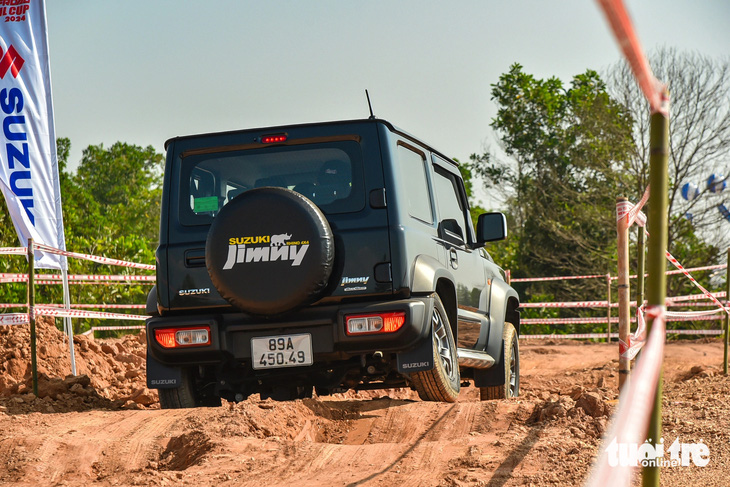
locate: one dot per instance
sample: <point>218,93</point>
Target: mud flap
<point>494,375</point>
<point>418,359</point>
<point>161,376</point>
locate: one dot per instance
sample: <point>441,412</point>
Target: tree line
<point>564,153</point>
<point>111,208</point>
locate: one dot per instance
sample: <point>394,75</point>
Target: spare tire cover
<point>269,250</point>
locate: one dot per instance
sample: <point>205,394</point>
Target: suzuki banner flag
<point>28,159</point>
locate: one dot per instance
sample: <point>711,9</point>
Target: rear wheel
<point>511,363</point>
<point>186,395</point>
<point>443,382</point>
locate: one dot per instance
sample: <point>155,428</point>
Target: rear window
<point>329,174</point>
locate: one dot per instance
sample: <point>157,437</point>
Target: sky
<point>142,72</point>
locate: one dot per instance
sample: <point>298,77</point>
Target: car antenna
<point>370,106</point>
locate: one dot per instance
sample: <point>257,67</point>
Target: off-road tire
<point>185,396</point>
<point>511,364</point>
<point>443,382</point>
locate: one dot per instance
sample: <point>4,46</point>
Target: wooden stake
<point>624,298</point>
<point>727,317</point>
<point>608,313</point>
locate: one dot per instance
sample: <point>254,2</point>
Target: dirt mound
<point>549,436</point>
<point>110,373</point>
<point>700,372</point>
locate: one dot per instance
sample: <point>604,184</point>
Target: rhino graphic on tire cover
<point>279,240</point>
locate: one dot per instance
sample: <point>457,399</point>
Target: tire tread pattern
<point>434,385</point>
<point>182,397</point>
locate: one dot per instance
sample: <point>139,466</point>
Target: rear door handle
<point>195,258</point>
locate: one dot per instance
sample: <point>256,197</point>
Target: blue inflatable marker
<point>690,191</point>
<point>725,212</point>
<point>716,183</point>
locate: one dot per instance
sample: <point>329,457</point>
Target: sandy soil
<point>105,428</point>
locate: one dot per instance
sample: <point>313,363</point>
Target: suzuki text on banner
<point>28,160</point>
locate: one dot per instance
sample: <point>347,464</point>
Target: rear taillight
<point>183,337</point>
<point>375,323</point>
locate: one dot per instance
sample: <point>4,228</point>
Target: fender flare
<point>426,273</point>
<point>428,276</point>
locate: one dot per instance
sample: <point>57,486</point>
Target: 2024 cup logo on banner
<point>275,247</point>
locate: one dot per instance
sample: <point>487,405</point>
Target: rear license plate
<point>281,351</point>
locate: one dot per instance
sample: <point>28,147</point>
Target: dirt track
<point>108,431</point>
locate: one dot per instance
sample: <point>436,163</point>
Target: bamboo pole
<point>641,244</point>
<point>656,289</point>
<point>727,317</point>
<point>31,317</point>
<point>642,268</point>
<point>624,298</point>
<point>608,313</point>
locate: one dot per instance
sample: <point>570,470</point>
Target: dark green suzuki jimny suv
<point>325,257</point>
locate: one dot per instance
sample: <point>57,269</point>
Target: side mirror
<point>450,231</point>
<point>491,227</point>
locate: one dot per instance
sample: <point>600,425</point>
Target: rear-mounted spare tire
<point>270,250</point>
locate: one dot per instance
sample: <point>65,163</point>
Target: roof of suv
<point>275,128</point>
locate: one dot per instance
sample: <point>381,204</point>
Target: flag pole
<point>68,326</point>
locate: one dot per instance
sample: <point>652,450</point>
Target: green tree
<point>120,189</point>
<point>567,152</point>
<point>110,208</point>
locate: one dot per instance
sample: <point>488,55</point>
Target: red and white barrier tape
<point>111,328</point>
<point>21,278</point>
<point>561,278</point>
<point>567,336</point>
<point>626,209</point>
<point>676,264</point>
<point>674,301</point>
<point>75,313</point>
<point>8,319</point>
<point>93,258</point>
<point>690,315</point>
<point>705,268</point>
<point>637,339</point>
<point>13,250</point>
<point>567,304</point>
<point>614,335</point>
<point>567,321</point>
<point>694,297</point>
<point>613,278</point>
<point>628,41</point>
<point>75,277</point>
<point>109,306</point>
<point>614,319</point>
<point>636,402</point>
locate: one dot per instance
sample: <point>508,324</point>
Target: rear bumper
<point>231,333</point>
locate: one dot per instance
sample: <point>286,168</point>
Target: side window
<point>413,174</point>
<point>450,204</point>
